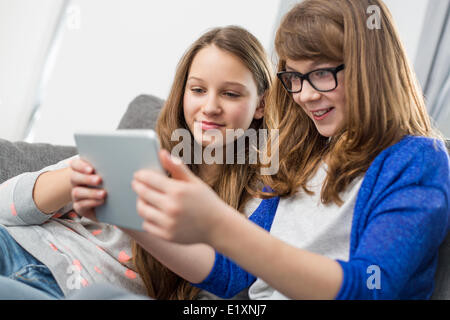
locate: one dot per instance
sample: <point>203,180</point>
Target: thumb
<point>177,169</point>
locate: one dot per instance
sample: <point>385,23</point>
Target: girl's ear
<point>259,112</point>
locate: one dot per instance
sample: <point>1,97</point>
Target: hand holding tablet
<point>116,156</point>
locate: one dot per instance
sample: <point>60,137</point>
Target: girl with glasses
<point>360,203</point>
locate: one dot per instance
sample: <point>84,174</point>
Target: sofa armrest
<point>19,157</point>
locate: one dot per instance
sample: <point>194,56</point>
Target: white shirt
<point>305,222</point>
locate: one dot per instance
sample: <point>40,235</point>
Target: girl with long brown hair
<point>360,203</point>
<point>230,181</point>
<point>219,85</point>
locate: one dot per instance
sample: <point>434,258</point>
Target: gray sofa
<point>142,113</point>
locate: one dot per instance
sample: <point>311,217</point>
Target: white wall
<point>409,16</point>
<point>123,48</point>
<point>113,50</point>
<point>25,31</point>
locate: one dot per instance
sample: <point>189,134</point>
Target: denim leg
<point>18,265</point>
<point>15,290</point>
<point>12,257</point>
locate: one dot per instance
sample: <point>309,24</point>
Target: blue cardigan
<point>401,216</point>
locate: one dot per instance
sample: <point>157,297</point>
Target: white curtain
<point>26,30</point>
<point>433,63</point>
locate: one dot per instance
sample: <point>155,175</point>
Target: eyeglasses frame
<point>305,76</point>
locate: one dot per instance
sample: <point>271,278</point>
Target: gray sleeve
<point>17,206</point>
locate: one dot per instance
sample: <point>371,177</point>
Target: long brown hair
<point>383,99</point>
<point>234,180</point>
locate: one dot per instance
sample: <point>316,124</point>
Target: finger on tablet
<point>86,208</point>
<point>153,179</point>
<point>150,196</point>
<point>81,193</point>
<point>151,214</point>
<point>82,165</point>
<point>78,179</point>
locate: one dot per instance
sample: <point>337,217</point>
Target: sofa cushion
<point>19,157</point>
<point>442,277</point>
<point>142,113</point>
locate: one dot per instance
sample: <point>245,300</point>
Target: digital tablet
<point>116,156</point>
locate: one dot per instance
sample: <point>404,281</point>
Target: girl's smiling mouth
<point>322,113</point>
<point>208,125</point>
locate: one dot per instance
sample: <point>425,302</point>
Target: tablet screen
<point>116,156</point>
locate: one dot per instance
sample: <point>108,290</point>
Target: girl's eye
<point>232,94</point>
<point>293,77</point>
<point>321,74</point>
<point>197,90</point>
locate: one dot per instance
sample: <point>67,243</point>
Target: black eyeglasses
<point>322,80</point>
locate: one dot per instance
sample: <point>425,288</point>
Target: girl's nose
<point>212,105</point>
<point>307,94</point>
